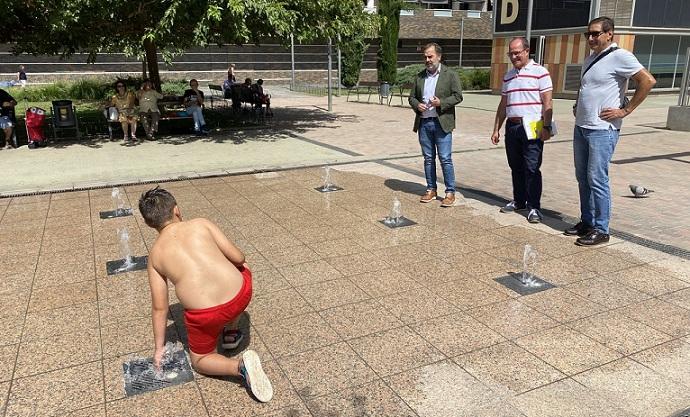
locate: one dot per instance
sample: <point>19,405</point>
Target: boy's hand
<point>158,357</point>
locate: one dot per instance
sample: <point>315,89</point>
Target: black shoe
<point>593,238</point>
<point>580,229</point>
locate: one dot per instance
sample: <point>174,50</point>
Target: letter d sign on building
<point>514,6</point>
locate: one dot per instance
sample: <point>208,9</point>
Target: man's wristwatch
<point>549,128</point>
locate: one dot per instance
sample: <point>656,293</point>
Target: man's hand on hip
<point>609,114</point>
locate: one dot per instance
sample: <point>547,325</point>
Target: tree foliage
<point>387,55</point>
<point>147,27</point>
<point>352,51</point>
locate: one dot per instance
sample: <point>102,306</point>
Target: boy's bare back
<point>200,261</point>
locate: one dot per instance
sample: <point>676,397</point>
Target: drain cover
<point>513,282</point>
<point>115,213</point>
<point>119,266</point>
<point>328,189</point>
<point>140,378</point>
<point>402,222</point>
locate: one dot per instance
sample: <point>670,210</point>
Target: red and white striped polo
<point>522,88</point>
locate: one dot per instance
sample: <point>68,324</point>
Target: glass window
<point>643,49</point>
<point>663,65</point>
<point>684,44</point>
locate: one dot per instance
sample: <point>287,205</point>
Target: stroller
<point>35,117</point>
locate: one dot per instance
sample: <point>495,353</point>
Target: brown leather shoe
<point>429,195</point>
<point>449,201</point>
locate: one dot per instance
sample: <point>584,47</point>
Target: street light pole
<point>330,87</point>
<point>462,35</point>
<point>292,61</point>
<point>530,5</point>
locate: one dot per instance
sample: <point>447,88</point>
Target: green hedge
<point>87,89</point>
<point>472,79</point>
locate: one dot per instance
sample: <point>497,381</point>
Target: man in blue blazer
<point>436,92</point>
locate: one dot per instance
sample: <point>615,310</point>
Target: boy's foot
<point>231,338</point>
<point>254,376</point>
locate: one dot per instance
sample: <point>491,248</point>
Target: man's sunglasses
<point>594,34</point>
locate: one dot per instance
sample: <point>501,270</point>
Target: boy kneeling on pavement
<point>212,282</point>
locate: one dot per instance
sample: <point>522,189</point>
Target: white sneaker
<point>535,216</point>
<point>511,207</point>
<point>255,378</point>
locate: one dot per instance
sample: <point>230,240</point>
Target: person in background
<point>21,76</point>
<point>148,108</point>
<point>262,97</point>
<point>124,101</point>
<point>230,82</point>
<point>6,111</point>
<point>194,102</point>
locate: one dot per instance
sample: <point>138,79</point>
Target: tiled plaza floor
<point>350,318</point>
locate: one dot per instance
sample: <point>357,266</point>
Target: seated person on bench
<point>148,108</point>
<point>194,101</point>
<point>6,115</point>
<point>262,97</point>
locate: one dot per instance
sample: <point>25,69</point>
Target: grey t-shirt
<point>603,87</point>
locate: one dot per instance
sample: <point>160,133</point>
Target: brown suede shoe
<point>429,195</point>
<point>449,201</point>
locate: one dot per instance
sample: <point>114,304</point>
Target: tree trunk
<point>144,72</point>
<point>152,63</point>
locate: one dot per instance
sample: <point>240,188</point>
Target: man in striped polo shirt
<point>526,93</point>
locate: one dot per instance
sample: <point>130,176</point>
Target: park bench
<point>170,107</point>
<point>365,87</point>
<point>218,95</point>
<point>400,90</point>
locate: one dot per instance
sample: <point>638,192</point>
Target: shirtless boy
<point>212,282</point>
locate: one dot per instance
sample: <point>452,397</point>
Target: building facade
<point>656,31</point>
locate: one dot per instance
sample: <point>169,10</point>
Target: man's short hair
<point>437,47</point>
<point>606,23</point>
<point>156,207</point>
<point>525,42</point>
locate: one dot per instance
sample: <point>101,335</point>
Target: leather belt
<point>515,119</point>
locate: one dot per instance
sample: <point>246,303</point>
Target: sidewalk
<point>352,318</point>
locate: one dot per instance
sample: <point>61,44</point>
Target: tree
<point>387,55</point>
<point>148,27</point>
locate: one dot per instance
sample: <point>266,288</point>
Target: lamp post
<point>330,87</point>
<point>530,5</point>
<point>292,61</point>
<point>462,35</point>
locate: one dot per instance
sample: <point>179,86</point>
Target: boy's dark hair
<point>606,23</point>
<point>156,207</point>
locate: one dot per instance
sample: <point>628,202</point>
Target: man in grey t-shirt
<point>599,113</point>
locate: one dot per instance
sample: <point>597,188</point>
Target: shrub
<point>387,55</point>
<point>352,52</point>
<point>472,79</point>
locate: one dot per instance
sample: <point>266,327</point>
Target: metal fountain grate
<point>117,266</point>
<point>115,213</point>
<point>402,222</point>
<point>141,381</point>
<point>328,189</point>
<point>512,281</point>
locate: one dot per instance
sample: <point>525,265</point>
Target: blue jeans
<point>433,139</point>
<point>593,150</point>
<point>197,115</point>
<point>524,159</point>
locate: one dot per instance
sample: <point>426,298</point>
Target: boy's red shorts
<point>204,325</point>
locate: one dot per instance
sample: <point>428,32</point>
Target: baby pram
<point>35,117</point>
